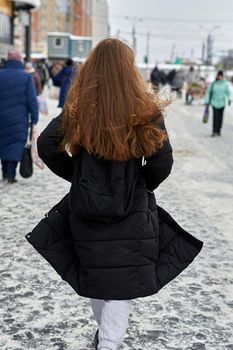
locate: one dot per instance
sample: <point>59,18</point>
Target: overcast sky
<point>177,26</point>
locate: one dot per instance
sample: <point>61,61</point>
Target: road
<point>194,312</point>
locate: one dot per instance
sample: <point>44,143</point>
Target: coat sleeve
<point>158,166</point>
<point>48,143</point>
<point>31,99</point>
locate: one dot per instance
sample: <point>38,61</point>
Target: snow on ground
<point>194,312</point>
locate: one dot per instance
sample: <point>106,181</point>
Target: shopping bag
<point>26,167</point>
<point>206,115</point>
<point>43,106</point>
<point>34,152</point>
<point>54,92</point>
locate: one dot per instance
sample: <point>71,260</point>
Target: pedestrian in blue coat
<point>18,107</point>
<point>63,79</point>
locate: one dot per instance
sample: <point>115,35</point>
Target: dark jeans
<point>217,120</point>
<point>9,169</point>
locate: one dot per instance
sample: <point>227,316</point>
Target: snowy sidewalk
<point>194,312</point>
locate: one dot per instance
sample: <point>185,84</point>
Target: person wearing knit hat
<point>18,108</point>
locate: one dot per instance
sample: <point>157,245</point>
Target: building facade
<point>88,18</point>
<point>91,19</point>
<point>51,17</point>
<point>14,16</point>
<point>6,26</point>
<point>64,45</point>
<point>82,23</point>
<point>100,20</point>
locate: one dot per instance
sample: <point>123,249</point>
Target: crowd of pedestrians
<point>175,78</point>
<point>217,94</point>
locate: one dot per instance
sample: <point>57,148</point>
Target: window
<point>80,47</point>
<point>5,29</point>
<point>58,43</point>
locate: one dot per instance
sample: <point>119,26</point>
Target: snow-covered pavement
<point>194,312</point>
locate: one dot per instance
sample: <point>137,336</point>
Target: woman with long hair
<point>110,142</point>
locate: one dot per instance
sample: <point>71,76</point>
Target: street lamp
<point>146,57</point>
<point>209,46</point>
<point>133,33</point>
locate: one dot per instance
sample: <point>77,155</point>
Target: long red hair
<point>109,110</point>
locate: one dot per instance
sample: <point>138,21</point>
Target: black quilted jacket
<point>107,238</point>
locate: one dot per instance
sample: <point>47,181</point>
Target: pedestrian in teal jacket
<point>217,95</point>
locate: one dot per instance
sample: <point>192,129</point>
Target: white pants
<point>112,317</point>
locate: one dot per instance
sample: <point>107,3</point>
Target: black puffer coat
<point>107,237</point>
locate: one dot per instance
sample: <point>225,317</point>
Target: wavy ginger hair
<point>109,110</point>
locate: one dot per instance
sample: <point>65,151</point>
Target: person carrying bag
<point>216,95</point>
<point>18,107</point>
